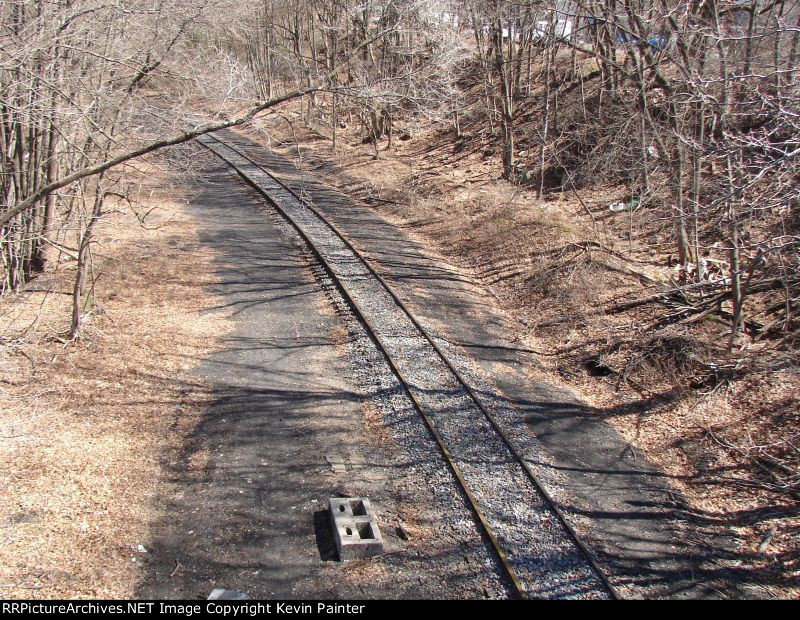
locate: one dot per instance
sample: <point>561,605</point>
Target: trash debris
<point>621,205</point>
<point>767,540</point>
<point>713,272</point>
<point>337,463</point>
<point>221,594</point>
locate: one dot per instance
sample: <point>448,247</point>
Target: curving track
<point>540,552</point>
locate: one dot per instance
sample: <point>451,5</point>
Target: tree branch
<point>153,146</point>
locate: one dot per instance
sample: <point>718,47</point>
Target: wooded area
<point>693,104</point>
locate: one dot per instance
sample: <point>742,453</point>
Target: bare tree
<point>76,86</point>
<point>695,104</point>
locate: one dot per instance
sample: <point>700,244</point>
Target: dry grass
<point>85,425</point>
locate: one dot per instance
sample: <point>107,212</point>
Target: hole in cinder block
<point>341,508</point>
<point>365,531</point>
<point>348,531</point>
<point>359,510</point>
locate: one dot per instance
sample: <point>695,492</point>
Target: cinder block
<point>355,528</point>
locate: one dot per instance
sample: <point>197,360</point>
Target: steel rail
<point>508,569</point>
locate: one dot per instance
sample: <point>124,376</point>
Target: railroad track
<point>540,552</point>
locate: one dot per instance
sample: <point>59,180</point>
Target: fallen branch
<point>588,246</point>
<point>677,295</point>
<point>755,484</point>
<point>641,276</point>
<point>762,462</point>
